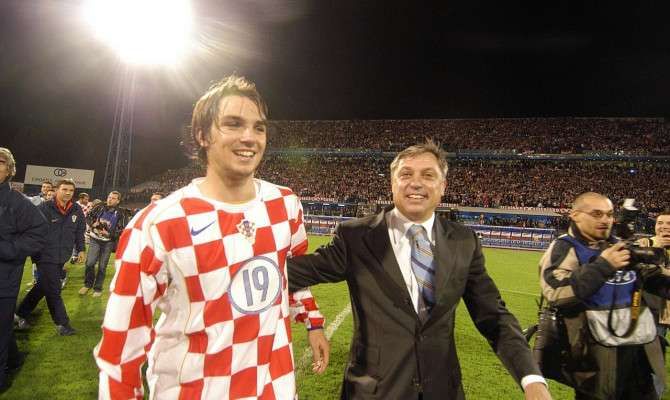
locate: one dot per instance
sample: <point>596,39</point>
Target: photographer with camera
<point>107,221</point>
<point>594,281</point>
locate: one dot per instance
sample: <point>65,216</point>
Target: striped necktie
<point>423,266</point>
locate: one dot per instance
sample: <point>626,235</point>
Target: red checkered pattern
<point>217,273</point>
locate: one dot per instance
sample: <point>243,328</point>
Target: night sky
<point>329,60</point>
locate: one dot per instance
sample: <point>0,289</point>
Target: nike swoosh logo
<point>199,231</point>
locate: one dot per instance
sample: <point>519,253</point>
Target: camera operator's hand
<point>617,256</point>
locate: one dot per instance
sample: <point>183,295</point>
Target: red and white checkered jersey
<point>217,273</point>
<point>85,208</point>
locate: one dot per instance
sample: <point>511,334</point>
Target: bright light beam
<point>153,32</point>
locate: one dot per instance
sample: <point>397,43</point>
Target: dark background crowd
<point>537,135</point>
<point>495,163</point>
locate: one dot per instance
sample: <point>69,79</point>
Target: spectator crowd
<point>361,175</point>
<point>520,135</point>
<point>480,183</point>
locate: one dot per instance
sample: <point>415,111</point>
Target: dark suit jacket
<point>393,355</point>
<point>23,230</point>
<point>64,233</point>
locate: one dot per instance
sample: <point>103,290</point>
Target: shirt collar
<point>401,224</point>
<point>63,210</point>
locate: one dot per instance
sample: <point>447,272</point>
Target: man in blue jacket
<point>22,232</point>
<point>66,230</point>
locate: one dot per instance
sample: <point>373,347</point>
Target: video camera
<point>641,258</point>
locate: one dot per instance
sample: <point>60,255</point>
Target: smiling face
<point>417,184</point>
<point>237,139</point>
<point>663,226</point>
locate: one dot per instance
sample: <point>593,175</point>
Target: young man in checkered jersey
<point>212,258</point>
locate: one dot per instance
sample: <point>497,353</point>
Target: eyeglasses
<point>598,214</point>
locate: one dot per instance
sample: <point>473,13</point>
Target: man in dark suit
<point>407,270</point>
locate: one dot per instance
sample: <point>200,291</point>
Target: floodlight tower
<point>143,32</point>
<point>117,168</point>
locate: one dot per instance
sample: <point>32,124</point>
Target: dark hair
<point>429,147</point>
<point>206,112</point>
<point>61,182</point>
<point>83,194</point>
<point>117,193</point>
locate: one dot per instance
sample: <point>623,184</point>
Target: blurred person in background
<point>41,197</point>
<point>66,229</point>
<point>156,196</point>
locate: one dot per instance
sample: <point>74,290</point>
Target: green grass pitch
<point>63,367</point>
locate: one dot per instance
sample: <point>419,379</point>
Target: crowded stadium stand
<point>538,135</point>
<point>515,173</point>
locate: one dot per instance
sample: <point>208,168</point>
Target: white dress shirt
<point>398,225</point>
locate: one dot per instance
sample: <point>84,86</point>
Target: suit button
<point>417,385</point>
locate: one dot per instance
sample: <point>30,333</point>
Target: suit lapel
<point>445,250</point>
<point>378,243</point>
<point>386,266</point>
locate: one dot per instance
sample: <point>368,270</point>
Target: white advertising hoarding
<point>36,174</point>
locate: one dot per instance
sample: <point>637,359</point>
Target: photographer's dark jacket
<point>117,215</point>
<point>66,230</point>
<point>578,281</point>
<point>22,233</point>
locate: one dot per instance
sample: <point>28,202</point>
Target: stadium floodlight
<point>154,32</point>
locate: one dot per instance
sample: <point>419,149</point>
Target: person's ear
<point>573,215</point>
<point>200,138</point>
